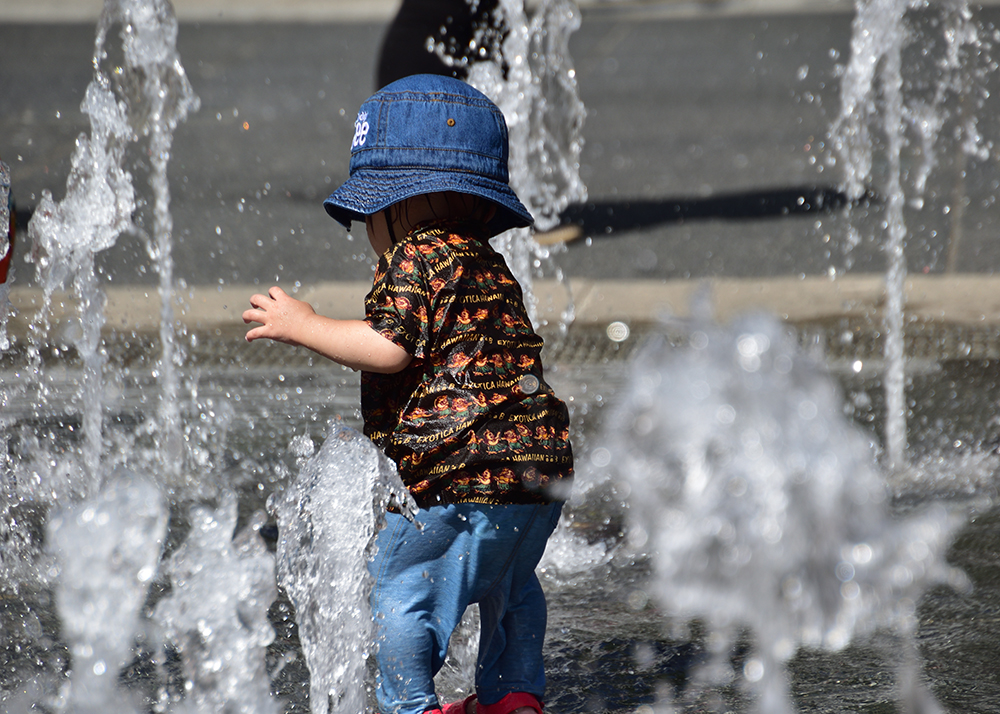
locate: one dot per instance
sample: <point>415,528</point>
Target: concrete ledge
<point>955,299</point>
<point>972,301</point>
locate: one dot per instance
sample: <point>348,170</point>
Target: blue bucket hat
<point>423,134</point>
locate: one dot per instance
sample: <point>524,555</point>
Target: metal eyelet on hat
<point>451,122</point>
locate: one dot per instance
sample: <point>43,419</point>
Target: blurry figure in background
<point>7,220</point>
<point>8,223</point>
<point>440,37</point>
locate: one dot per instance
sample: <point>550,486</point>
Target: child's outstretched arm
<point>352,343</point>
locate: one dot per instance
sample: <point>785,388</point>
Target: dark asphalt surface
<point>707,149</point>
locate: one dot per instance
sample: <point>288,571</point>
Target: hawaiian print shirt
<point>470,419</point>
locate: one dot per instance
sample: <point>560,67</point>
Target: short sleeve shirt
<point>471,418</point>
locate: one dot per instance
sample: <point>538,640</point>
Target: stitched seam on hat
<point>438,97</point>
<point>424,169</point>
<point>454,150</point>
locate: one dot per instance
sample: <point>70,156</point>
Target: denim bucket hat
<point>423,134</point>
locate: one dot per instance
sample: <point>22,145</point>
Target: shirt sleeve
<point>400,302</point>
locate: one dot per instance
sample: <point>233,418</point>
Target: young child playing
<point>452,390</point>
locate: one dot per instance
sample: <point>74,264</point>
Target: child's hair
<point>440,205</point>
<point>428,134</point>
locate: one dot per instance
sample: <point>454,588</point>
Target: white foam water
<point>216,614</point>
<point>4,207</point>
<point>105,552</point>
<point>327,520</point>
<point>105,541</point>
<point>761,506</point>
<point>160,99</point>
<point>66,237</point>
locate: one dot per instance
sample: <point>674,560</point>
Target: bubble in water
<point>528,384</point>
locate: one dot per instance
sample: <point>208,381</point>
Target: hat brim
<point>371,190</point>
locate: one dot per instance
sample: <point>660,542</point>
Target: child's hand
<point>352,343</point>
<point>281,317</point>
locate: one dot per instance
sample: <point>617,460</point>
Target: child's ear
<point>491,210</point>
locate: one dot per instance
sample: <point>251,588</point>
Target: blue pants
<point>425,579</point>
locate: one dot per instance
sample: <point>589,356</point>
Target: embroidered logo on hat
<point>360,130</point>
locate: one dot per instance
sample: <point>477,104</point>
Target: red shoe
<point>459,707</point>
<point>512,702</point>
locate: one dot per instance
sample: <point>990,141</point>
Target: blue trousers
<point>424,580</point>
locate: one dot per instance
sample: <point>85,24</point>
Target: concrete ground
<point>708,149</point>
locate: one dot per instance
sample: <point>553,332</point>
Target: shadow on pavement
<point>604,217</point>
<point>597,218</point>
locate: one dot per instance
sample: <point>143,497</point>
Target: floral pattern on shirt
<point>456,421</point>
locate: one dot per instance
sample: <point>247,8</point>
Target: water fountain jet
<point>216,613</point>
<point>327,518</point>
<point>875,115</point>
<point>106,551</point>
<point>533,82</point>
<point>761,506</point>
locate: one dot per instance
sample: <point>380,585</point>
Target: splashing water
<point>7,534</point>
<point>66,236</point>
<point>105,547</point>
<point>328,518</point>
<point>761,506</point>
<point>154,75</point>
<point>874,108</point>
<point>533,82</point>
<point>106,551</point>
<point>217,614</point>
<point>148,94</point>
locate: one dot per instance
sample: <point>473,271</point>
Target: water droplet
<point>637,600</point>
<point>618,331</point>
<point>753,670</point>
<point>600,457</point>
<point>862,553</point>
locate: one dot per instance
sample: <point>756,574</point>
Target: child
<point>451,389</point>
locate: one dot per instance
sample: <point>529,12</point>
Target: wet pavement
<point>707,155</point>
<point>707,151</point>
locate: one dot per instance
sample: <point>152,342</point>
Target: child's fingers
<point>257,333</point>
<point>253,316</point>
<point>260,301</point>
